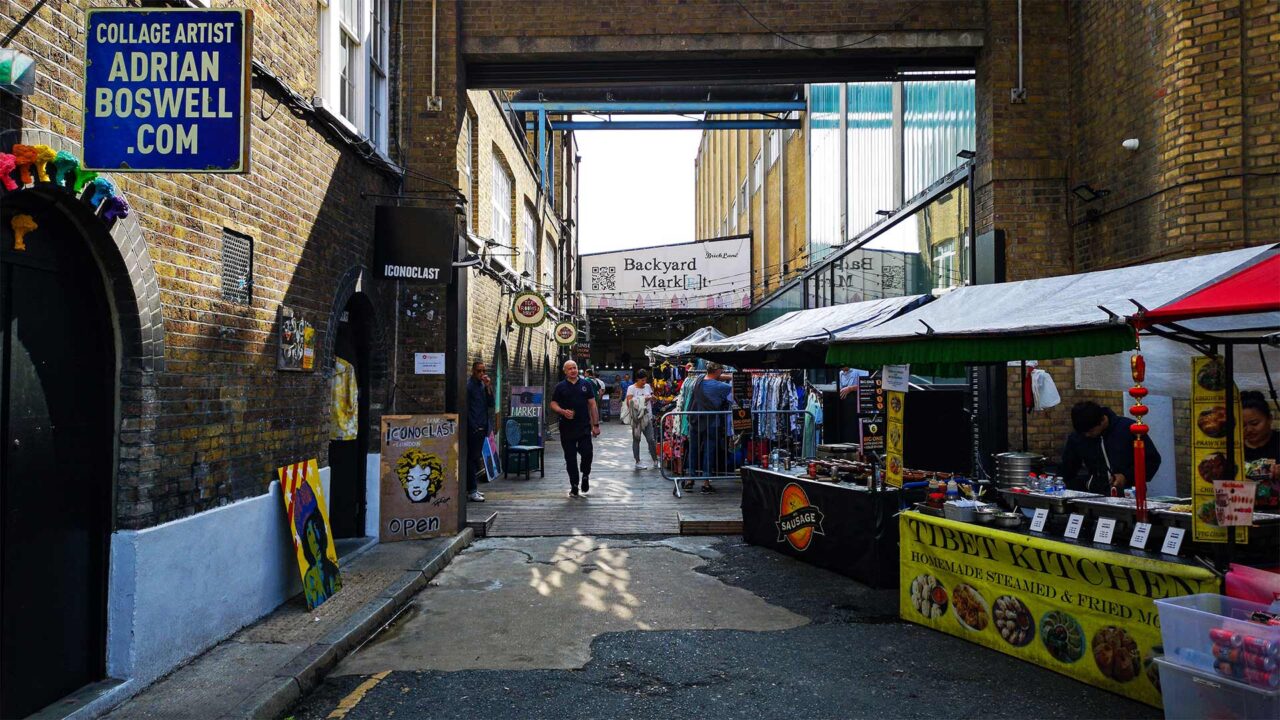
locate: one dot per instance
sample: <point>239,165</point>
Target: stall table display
<point>1074,608</point>
<point>839,526</point>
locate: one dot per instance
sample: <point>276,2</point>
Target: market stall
<point>842,518</point>
<point>843,527</point>
<point>1072,570</point>
<point>683,348</point>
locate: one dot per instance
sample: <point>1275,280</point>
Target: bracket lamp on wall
<point>966,154</point>
<point>1085,192</point>
<point>884,213</point>
<point>471,260</point>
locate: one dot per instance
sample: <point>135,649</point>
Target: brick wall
<point>211,423</point>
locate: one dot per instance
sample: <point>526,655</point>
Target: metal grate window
<point>237,267</point>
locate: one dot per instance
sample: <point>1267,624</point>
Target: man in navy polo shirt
<point>574,400</point>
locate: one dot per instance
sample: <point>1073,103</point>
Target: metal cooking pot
<point>1012,468</point>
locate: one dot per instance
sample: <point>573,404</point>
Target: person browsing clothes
<point>712,395</point>
<point>574,400</point>
<point>1102,444</point>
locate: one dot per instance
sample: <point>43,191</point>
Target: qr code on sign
<point>604,278</point>
<point>892,277</point>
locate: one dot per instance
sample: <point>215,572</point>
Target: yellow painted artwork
<point>309,527</point>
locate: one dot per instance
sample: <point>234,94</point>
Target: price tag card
<point>1140,535</point>
<point>1074,523</point>
<point>1106,528</point>
<point>1037,522</point>
<point>1173,541</point>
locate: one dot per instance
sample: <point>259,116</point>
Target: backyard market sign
<point>167,90</point>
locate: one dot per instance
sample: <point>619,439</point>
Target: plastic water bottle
<point>1059,485</point>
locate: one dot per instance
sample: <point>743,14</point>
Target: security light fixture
<point>471,260</point>
<point>966,154</point>
<point>1085,192</point>
<point>884,213</point>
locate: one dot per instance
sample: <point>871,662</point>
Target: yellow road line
<point>349,702</point>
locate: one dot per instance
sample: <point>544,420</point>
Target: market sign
<point>414,243</point>
<point>893,444</point>
<point>566,333</point>
<point>1085,613</point>
<point>529,309</point>
<point>1210,495</point>
<point>167,90</point>
<point>689,276</point>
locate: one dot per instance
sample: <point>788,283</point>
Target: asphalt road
<point>849,656</point>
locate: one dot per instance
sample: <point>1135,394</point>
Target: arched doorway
<point>57,424</point>
<point>352,352</point>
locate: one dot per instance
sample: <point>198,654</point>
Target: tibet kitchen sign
<point>700,275</point>
<point>529,309</point>
<point>167,90</point>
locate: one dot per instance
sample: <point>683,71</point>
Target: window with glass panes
<point>377,91</point>
<point>501,201</point>
<point>528,242</point>
<point>757,174</point>
<point>349,50</point>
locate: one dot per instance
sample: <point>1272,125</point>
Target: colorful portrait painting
<point>309,527</point>
<point>421,474</point>
<point>419,495</point>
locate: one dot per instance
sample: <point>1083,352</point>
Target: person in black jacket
<point>1103,445</point>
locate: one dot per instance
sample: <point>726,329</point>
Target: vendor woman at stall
<point>1103,446</point>
<point>1261,450</point>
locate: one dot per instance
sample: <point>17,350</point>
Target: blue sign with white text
<point>167,90</point>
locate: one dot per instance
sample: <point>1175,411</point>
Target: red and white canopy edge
<point>1241,305</point>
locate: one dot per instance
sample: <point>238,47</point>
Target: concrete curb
<point>305,671</point>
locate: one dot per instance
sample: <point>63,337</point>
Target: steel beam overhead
<point>658,108</point>
<point>670,124</point>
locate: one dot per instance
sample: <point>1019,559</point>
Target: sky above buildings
<point>637,187</point>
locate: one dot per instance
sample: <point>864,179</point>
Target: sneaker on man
<point>586,484</point>
<point>641,466</point>
<point>476,497</point>
<point>573,492</point>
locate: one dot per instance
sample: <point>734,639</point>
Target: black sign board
<point>582,351</point>
<point>412,243</point>
<point>870,395</point>
<point>741,388</point>
<point>873,433</point>
<point>852,532</point>
<point>741,420</point>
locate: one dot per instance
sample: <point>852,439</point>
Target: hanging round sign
<point>566,333</point>
<point>529,309</point>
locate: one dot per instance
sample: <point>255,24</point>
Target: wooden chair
<point>517,435</point>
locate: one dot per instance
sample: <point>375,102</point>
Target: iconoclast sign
<point>167,90</point>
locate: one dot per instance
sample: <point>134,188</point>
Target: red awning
<point>1251,288</point>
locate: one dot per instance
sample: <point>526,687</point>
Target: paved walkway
<point>688,627</point>
<point>622,501</point>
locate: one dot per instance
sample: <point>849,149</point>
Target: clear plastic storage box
<point>1190,624</point>
<point>1192,694</point>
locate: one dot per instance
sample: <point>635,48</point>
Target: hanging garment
<point>1045,393</point>
<point>346,401</point>
<point>813,410</point>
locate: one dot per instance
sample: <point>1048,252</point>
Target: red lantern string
<point>1138,368</point>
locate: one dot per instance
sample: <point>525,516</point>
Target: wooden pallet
<point>701,524</point>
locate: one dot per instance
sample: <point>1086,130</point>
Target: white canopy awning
<point>801,327</point>
<point>1031,319</point>
<point>684,348</point>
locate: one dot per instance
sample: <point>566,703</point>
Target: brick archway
<point>130,275</point>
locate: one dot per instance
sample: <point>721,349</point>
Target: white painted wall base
<point>178,589</point>
<point>372,494</point>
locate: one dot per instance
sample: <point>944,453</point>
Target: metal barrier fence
<point>705,445</point>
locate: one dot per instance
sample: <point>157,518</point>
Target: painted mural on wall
<point>419,476</point>
<point>304,507</point>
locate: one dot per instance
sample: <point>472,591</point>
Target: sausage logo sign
<point>798,521</point>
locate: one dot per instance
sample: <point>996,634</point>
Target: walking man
<point>574,400</point>
<point>479,403</point>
